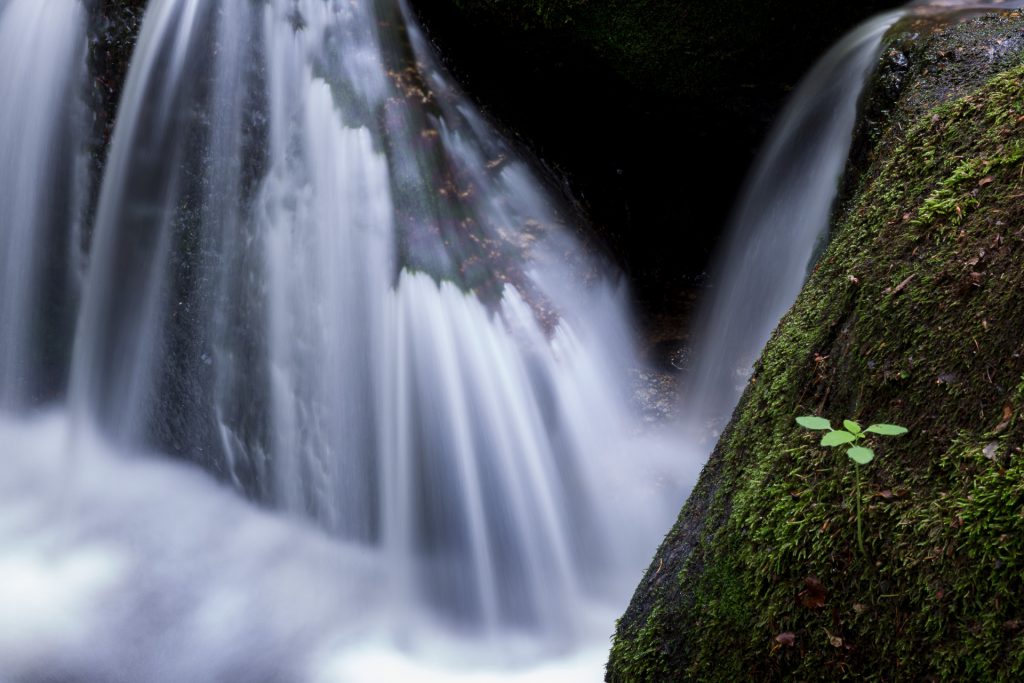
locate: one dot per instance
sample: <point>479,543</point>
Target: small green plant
<point>860,455</point>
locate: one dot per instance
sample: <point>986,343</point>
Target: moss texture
<point>914,315</point>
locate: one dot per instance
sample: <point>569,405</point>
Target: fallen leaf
<point>836,641</point>
<point>1007,416</point>
<point>787,638</point>
<point>859,608</point>
<point>813,595</point>
<point>985,181</point>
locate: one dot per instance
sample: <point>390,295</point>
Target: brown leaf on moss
<point>813,594</point>
<point>985,181</point>
<point>787,638</point>
<point>835,641</point>
<point>1005,423</point>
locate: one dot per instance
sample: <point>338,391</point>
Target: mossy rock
<point>914,315</point>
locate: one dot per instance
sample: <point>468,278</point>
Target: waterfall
<point>345,399</point>
<point>782,219</point>
<point>781,222</point>
<point>320,274</point>
<point>42,48</point>
<point>317,273</point>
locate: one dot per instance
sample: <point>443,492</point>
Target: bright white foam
<point>130,568</point>
<point>127,567</point>
<point>381,662</point>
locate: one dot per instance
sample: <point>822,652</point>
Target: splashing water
<point>318,273</point>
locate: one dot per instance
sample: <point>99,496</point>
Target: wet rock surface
<point>653,109</point>
<point>911,317</point>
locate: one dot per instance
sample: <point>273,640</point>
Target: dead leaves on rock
<point>1005,423</point>
<point>813,595</point>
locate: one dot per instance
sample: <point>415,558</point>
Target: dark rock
<point>113,29</point>
<point>939,589</point>
<point>653,109</point>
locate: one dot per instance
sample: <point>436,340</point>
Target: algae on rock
<point>914,315</point>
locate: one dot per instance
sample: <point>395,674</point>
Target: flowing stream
<point>42,48</point>
<point>781,223</point>
<point>317,273</point>
<point>388,386</point>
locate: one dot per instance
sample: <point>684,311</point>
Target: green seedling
<point>853,435</point>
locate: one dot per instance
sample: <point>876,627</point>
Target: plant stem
<point>860,533</point>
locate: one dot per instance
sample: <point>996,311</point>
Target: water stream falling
<point>781,222</point>
<point>319,275</point>
<point>40,191</point>
<point>779,225</point>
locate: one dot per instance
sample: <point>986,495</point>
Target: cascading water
<point>782,220</point>
<point>780,223</point>
<point>42,48</point>
<point>317,272</point>
<point>362,286</point>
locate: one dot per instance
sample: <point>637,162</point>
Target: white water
<point>317,273</point>
<point>782,219</point>
<point>38,191</point>
<point>781,222</point>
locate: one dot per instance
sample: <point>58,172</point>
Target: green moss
<point>643,656</point>
<point>912,316</point>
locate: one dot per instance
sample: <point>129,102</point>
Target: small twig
<point>900,287</point>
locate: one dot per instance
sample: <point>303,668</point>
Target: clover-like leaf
<point>837,438</point>
<point>812,422</point>
<point>852,427</point>
<point>887,430</point>
<point>860,455</point>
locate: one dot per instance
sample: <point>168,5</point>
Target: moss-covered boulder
<point>915,316</point>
